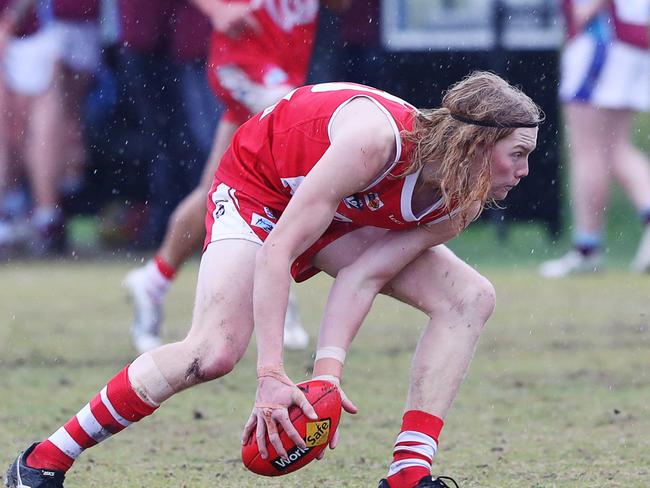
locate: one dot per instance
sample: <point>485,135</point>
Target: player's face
<point>509,163</point>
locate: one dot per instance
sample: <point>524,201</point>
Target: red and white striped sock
<point>112,410</point>
<point>414,449</point>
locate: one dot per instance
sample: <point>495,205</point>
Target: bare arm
<point>357,154</point>
<point>230,18</point>
<point>586,13</point>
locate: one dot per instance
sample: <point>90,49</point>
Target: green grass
<point>557,395</point>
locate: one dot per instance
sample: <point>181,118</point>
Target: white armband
<point>331,352</point>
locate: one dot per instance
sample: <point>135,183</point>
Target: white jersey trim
<point>407,199</point>
<point>393,124</point>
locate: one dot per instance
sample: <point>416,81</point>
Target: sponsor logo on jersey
<point>262,222</point>
<point>354,201</point>
<point>396,220</point>
<point>219,210</point>
<point>317,433</point>
<point>269,213</point>
<point>373,201</point>
<point>293,455</point>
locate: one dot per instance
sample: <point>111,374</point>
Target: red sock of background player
<point>414,449</point>
<point>112,410</point>
<point>160,275</point>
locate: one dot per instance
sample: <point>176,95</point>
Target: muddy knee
<point>482,297</point>
<point>476,300</point>
<point>208,361</point>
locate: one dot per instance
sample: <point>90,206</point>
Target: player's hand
<point>584,14</point>
<point>346,403</point>
<point>232,19</point>
<point>275,394</point>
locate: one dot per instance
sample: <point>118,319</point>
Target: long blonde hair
<point>439,138</point>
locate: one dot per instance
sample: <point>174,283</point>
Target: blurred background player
<point>17,21</point>
<point>260,50</point>
<point>605,79</point>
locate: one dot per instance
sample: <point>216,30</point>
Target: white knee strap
<point>148,381</point>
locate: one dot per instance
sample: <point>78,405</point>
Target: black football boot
<point>19,475</point>
<point>428,482</point>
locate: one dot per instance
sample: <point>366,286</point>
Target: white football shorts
<point>29,62</point>
<point>610,75</point>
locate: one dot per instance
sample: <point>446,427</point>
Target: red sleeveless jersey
<point>271,154</point>
<point>286,38</point>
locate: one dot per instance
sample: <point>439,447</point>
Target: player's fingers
<point>275,441</point>
<point>248,428</point>
<point>321,455</point>
<point>347,404</point>
<point>283,418</point>
<point>335,439</point>
<point>301,400</point>
<point>260,435</point>
<point>274,436</point>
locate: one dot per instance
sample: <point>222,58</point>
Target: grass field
<point>558,394</point>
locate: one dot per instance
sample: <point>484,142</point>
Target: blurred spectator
<point>190,34</point>
<point>362,57</point>
<point>77,22</point>
<point>164,43</point>
<point>348,46</point>
<point>17,21</point>
<point>46,71</point>
<point>605,80</point>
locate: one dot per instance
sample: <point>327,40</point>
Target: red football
<point>326,400</point>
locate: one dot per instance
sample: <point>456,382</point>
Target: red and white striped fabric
<point>415,447</point>
<point>112,410</point>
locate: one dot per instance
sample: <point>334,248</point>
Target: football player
<point>277,208</point>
